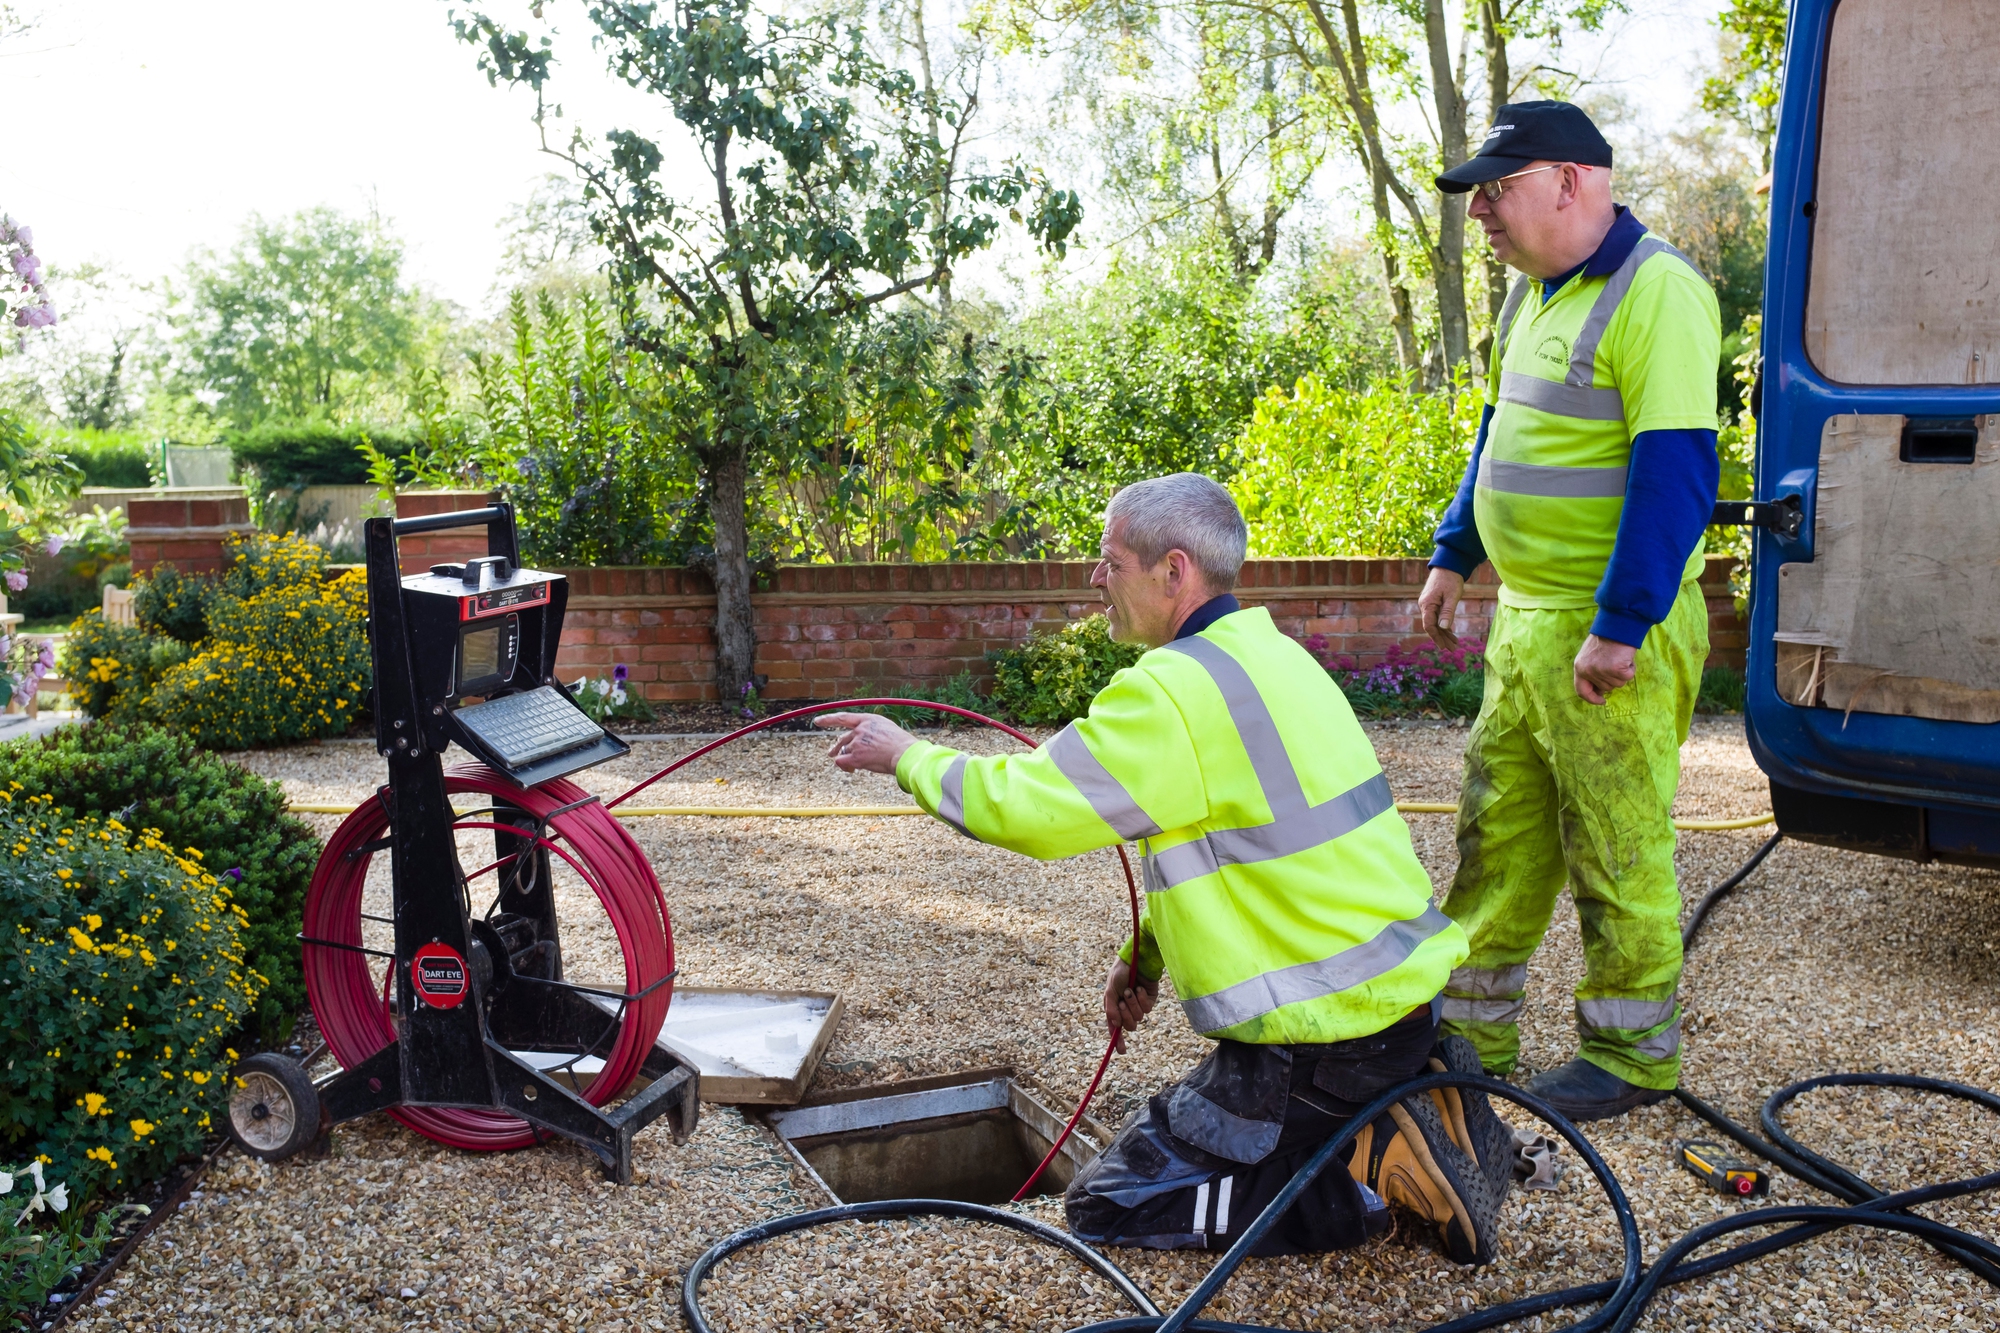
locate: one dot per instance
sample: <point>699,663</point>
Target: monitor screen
<point>478,655</point>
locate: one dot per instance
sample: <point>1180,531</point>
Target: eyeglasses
<point>1493,189</point>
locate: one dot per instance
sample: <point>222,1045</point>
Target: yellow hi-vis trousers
<point>1556,788</point>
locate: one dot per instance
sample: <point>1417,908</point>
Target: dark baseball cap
<point>1527,132</point>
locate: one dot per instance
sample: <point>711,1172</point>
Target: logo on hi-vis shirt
<point>1554,349</point>
<point>438,976</point>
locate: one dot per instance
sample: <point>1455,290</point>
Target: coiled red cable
<point>355,1019</point>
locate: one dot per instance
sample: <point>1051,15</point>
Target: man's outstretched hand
<point>1127,1001</point>
<point>867,741</point>
<point>1436,604</point>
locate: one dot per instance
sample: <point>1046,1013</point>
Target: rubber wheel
<point>273,1107</point>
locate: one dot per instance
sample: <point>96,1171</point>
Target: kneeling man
<point>1282,894</point>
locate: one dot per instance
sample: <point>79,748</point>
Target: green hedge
<point>154,778</point>
<point>291,454</point>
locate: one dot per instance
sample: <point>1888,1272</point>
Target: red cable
<point>356,1024</point>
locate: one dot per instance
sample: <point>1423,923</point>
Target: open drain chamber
<point>971,1137</point>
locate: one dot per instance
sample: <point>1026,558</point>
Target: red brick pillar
<point>454,545</point>
<point>187,534</point>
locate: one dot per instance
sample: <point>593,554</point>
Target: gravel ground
<point>951,955</point>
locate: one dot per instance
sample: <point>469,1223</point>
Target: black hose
<point>1720,891</point>
<point>1621,1303</point>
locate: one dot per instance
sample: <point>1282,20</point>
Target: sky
<point>145,131</point>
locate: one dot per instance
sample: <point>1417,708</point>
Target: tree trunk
<point>1499,87</point>
<point>930,106</point>
<point>735,627</point>
<point>1367,141</point>
<point>1448,256</point>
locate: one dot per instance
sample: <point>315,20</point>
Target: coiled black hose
<point>1623,1302</point>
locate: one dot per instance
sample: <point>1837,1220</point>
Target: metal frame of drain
<point>922,1104</point>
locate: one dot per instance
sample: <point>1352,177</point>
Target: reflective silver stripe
<point>1201,1209</point>
<point>1106,794</point>
<point>1493,983</point>
<point>1222,1193</point>
<point>1296,832</point>
<point>1295,825</point>
<point>1583,353</point>
<point>1627,1015</point>
<point>1661,1045</point>
<point>1275,772</point>
<point>1509,308</point>
<point>951,805</point>
<point>1574,395</point>
<point>1457,1010</point>
<point>1562,400</point>
<point>1567,483</point>
<point>1260,995</point>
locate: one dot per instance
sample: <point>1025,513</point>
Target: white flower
<point>35,1170</point>
<point>59,1197</point>
<point>6,1183</point>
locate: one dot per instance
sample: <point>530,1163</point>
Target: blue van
<point>1874,667</point>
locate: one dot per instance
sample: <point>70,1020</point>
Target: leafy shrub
<point>1722,691</point>
<point>1051,679</point>
<point>1326,471</point>
<point>287,664</point>
<point>151,776</point>
<point>1422,680</point>
<point>112,668</point>
<point>282,655</point>
<point>124,979</point>
<point>172,604</point>
<point>35,1260</point>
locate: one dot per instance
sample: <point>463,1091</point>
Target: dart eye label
<point>437,974</point>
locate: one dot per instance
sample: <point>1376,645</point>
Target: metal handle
<point>498,520</point>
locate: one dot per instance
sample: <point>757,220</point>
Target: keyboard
<point>525,728</point>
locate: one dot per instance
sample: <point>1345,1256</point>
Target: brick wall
<point>185,533</point>
<point>828,630</point>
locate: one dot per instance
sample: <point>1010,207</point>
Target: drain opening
<point>971,1141</point>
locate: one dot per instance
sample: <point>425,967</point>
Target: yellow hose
<point>885,811</point>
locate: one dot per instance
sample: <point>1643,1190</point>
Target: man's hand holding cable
<point>1602,666</point>
<point>1127,1001</point>
<point>867,741</point>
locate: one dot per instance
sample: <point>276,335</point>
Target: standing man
<point>1590,484</point>
<point>1282,894</point>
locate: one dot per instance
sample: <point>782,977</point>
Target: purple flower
<point>620,673</point>
<point>17,579</point>
<point>56,544</point>
<point>235,873</point>
<point>45,661</point>
<point>25,235</point>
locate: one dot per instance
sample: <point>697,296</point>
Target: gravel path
<point>952,955</point>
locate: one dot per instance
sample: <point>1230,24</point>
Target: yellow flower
<point>198,1076</point>
<point>95,1104</point>
<point>94,921</point>
<point>141,1128</point>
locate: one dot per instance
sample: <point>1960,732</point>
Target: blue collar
<point>1612,251</point>
<point>1210,611</point>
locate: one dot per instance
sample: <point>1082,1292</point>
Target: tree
<point>829,195</point>
<point>305,317</point>
<point>1753,58</point>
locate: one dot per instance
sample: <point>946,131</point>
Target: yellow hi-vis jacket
<point>1282,892</point>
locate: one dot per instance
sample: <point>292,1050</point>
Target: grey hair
<point>1183,511</point>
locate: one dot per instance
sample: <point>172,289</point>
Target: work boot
<point>1582,1091</point>
<point>1408,1159</point>
<point>1469,1117</point>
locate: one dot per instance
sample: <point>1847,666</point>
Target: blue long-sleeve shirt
<point>1670,486</point>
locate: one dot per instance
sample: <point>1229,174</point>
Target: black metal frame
<point>461,1056</point>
